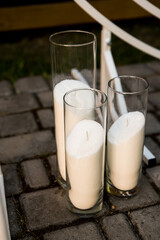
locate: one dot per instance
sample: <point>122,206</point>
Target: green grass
<point>25,57</point>
<point>26,53</point>
<point>146,30</point>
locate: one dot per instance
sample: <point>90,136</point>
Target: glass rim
<point>72,45</point>
<point>125,92</point>
<point>82,89</point>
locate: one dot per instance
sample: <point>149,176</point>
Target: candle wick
<point>127,122</point>
<point>87,135</point>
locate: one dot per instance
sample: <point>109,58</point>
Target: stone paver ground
<point>36,203</point>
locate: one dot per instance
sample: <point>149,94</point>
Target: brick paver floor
<point>36,203</point>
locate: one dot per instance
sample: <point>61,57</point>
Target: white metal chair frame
<point>108,69</point>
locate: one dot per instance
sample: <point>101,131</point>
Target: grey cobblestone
<point>46,118</point>
<point>153,147</point>
<point>154,174</point>
<point>52,162</point>
<point>141,70</point>
<point>117,227</point>
<point>147,221</point>
<point>26,238</point>
<point>5,88</point>
<point>158,138</point>
<point>152,124</point>
<point>14,224</point>
<point>35,174</point>
<point>46,98</point>
<point>154,81</point>
<point>17,103</point>
<point>138,201</point>
<point>84,231</point>
<point>31,85</point>
<point>15,149</point>
<point>17,124</point>
<point>13,184</point>
<point>153,98</point>
<point>150,107</point>
<point>155,65</point>
<point>53,213</point>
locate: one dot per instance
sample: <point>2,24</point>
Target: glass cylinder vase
<point>85,130</point>
<point>127,107</point>
<point>73,64</point>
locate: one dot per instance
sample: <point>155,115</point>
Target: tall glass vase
<point>85,131</point>
<point>73,64</point>
<point>127,107</point>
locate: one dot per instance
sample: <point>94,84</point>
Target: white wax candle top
<point>83,140</point>
<point>126,127</point>
<point>66,85</point>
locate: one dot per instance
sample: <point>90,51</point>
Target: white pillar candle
<point>85,163</point>
<point>124,150</point>
<point>59,91</point>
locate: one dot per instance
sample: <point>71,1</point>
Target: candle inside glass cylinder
<point>124,150</point>
<point>85,163</point>
<point>59,90</point>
